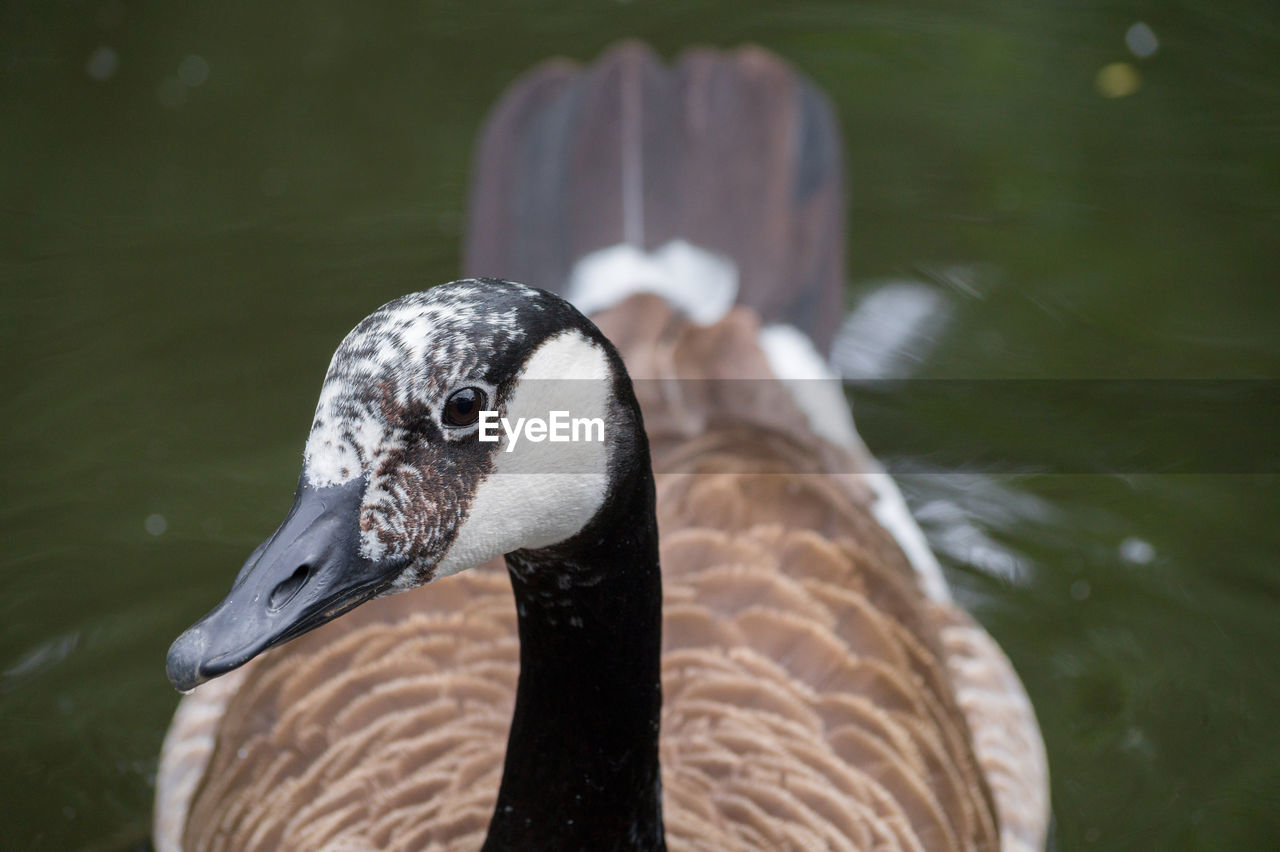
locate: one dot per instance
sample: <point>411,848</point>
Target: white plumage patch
<point>817,391</point>
<point>815,388</point>
<point>890,332</point>
<point>702,285</point>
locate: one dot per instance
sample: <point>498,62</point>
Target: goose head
<point>409,474</point>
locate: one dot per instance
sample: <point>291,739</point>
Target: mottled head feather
<point>380,407</point>
<point>401,361</point>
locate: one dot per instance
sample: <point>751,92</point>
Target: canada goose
<point>794,677</point>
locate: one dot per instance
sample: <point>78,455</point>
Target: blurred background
<point>197,201</point>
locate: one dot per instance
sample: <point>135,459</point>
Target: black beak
<point>307,574</point>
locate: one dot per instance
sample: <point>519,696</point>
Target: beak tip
<point>184,662</point>
<point>312,564</point>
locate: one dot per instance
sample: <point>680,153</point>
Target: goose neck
<point>582,757</point>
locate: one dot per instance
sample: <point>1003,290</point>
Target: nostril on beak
<point>284,592</point>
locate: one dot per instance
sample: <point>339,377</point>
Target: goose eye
<point>462,408</point>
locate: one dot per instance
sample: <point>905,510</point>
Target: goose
<point>466,637</point>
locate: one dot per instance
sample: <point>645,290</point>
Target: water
<point>198,203</point>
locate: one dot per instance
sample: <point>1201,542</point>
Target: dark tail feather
<point>730,151</point>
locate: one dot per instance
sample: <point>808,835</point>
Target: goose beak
<point>307,574</point>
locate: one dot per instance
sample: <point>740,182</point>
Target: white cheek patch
<point>542,492</point>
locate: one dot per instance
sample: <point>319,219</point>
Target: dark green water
<point>184,243</point>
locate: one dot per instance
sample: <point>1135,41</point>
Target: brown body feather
<point>814,697</point>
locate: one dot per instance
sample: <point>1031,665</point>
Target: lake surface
<point>197,204</point>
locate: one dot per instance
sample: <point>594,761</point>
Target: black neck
<point>582,759</point>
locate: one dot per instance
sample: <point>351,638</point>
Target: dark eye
<point>462,408</point>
